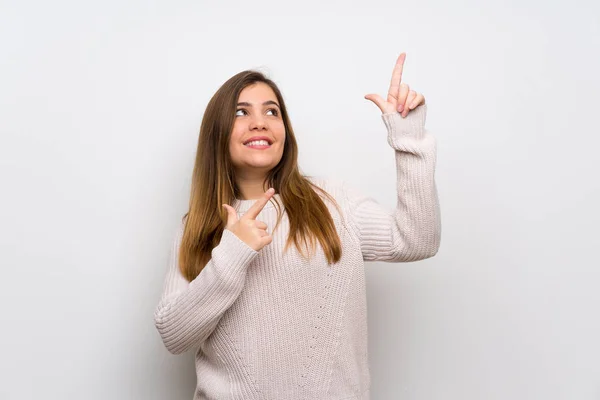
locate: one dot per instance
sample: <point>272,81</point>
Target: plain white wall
<point>100,106</point>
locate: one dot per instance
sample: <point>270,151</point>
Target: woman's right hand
<point>248,229</point>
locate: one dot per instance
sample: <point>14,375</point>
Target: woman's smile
<point>258,142</point>
<point>259,145</point>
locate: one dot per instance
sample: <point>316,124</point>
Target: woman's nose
<point>258,122</point>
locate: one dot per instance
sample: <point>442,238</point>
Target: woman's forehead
<point>257,93</point>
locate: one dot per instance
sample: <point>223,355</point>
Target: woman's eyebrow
<point>266,103</point>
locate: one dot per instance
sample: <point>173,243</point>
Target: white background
<point>100,107</point>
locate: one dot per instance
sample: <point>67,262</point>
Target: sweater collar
<point>243,205</point>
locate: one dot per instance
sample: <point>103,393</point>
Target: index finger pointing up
<point>257,207</point>
<point>396,78</point>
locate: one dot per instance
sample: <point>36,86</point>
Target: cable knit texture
<point>273,325</point>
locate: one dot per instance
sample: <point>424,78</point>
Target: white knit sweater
<point>269,325</point>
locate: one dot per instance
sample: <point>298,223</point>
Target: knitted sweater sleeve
<point>188,312</point>
<point>412,231</point>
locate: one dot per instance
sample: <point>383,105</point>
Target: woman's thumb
<point>375,98</point>
<point>231,215</point>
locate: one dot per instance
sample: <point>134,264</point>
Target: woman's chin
<point>260,166</point>
<point>261,163</point>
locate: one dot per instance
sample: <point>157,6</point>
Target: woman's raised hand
<point>400,97</point>
<point>248,229</point>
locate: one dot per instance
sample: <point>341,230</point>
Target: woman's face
<point>258,135</point>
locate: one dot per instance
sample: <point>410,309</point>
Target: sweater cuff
<point>413,126</point>
<point>232,256</point>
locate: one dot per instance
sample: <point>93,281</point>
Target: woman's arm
<point>412,231</point>
<point>188,312</point>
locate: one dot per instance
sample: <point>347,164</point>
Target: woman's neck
<point>251,188</point>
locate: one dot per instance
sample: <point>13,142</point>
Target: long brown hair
<point>214,184</point>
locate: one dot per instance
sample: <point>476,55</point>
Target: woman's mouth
<point>258,144</point>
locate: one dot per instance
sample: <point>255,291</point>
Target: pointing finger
<point>396,78</point>
<point>257,207</point>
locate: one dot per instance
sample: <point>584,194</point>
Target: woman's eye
<point>273,110</point>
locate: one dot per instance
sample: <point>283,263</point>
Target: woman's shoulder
<point>343,191</point>
<point>335,187</point>
<point>326,183</point>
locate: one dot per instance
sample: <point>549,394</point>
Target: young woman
<point>266,276</point>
